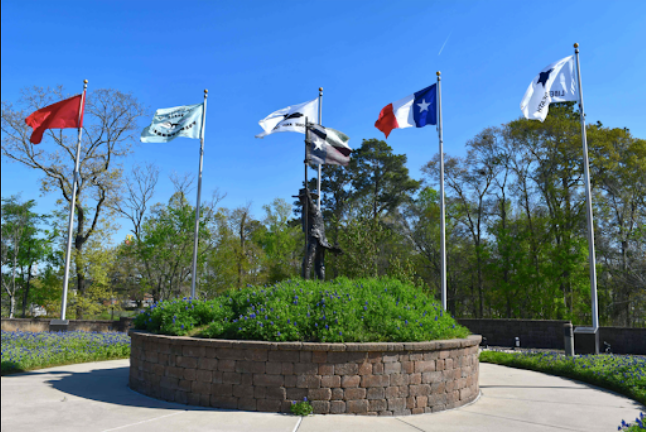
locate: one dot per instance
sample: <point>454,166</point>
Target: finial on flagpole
<point>85,81</point>
<point>438,73</point>
<point>206,91</point>
<point>576,45</point>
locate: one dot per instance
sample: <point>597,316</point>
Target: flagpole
<point>70,227</point>
<point>588,196</point>
<point>199,198</point>
<point>442,214</point>
<point>307,192</point>
<point>318,187</point>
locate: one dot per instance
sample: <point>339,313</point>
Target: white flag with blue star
<point>555,83</point>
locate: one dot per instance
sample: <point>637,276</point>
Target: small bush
<point>301,408</point>
<point>365,310</point>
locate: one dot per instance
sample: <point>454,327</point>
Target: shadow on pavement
<point>108,386</point>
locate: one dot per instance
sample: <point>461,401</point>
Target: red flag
<point>61,115</point>
<point>387,120</point>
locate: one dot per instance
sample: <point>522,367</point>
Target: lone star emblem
<point>423,106</point>
<point>543,77</point>
<point>318,145</point>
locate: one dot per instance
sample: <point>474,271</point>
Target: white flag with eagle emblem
<point>290,119</point>
<point>555,83</point>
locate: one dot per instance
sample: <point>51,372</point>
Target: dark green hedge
<point>344,310</point>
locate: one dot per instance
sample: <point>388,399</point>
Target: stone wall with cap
<point>382,379</point>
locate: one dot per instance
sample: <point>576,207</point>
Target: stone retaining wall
<point>371,379</point>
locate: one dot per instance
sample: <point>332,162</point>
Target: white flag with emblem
<point>555,83</point>
<point>290,119</point>
<point>170,123</point>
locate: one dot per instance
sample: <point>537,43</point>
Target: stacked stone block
<point>382,379</point>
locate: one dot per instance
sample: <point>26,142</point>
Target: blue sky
<point>258,56</point>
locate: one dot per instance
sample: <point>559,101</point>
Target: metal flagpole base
<point>57,325</point>
<point>586,340</point>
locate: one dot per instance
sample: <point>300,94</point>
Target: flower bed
<point>623,374</point>
<point>367,310</point>
<point>337,378</point>
<point>23,351</point>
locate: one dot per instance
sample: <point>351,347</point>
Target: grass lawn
<point>622,374</point>
<point>23,351</point>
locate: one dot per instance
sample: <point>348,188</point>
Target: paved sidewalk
<point>95,397</point>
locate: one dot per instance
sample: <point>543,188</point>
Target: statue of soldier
<point>317,244</point>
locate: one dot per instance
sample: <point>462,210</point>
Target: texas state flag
<point>416,110</point>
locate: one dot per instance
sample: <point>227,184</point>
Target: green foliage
<point>302,409</point>
<point>623,374</point>
<point>364,310</point>
<point>182,317</point>
<point>24,244</point>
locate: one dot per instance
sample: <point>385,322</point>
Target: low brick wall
<point>624,340</point>
<point>532,333</point>
<point>355,378</point>
<point>548,334</point>
<point>38,325</point>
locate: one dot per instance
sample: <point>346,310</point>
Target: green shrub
<point>364,310</point>
<point>303,408</point>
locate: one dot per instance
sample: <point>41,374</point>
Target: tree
<point>23,245</point>
<point>280,242</point>
<point>470,180</point>
<point>381,177</point>
<point>620,165</point>
<point>108,132</point>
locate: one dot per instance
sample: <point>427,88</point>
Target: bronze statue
<point>317,244</point>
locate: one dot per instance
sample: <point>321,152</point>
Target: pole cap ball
<point>85,81</point>
<point>438,73</point>
<point>320,88</point>
<point>206,91</point>
<point>576,45</point>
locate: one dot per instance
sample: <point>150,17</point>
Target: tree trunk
<point>480,287</point>
<point>12,294</point>
<point>25,297</point>
<point>78,245</point>
<point>12,306</point>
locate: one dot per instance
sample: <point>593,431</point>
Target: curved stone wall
<point>342,378</point>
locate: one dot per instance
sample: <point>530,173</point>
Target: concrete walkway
<point>95,397</point>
